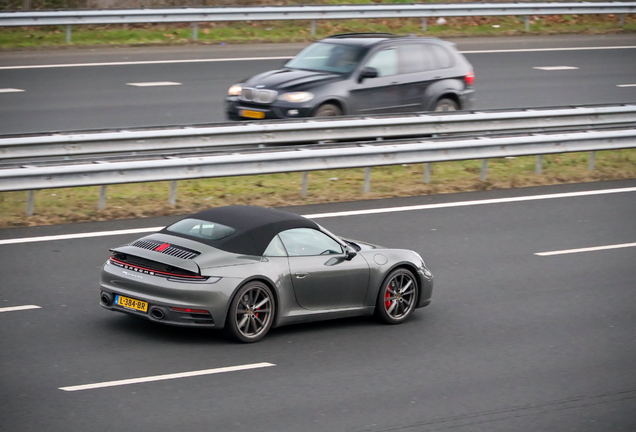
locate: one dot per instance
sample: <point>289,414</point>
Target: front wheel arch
<point>339,104</point>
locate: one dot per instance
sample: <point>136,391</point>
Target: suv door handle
<point>301,275</point>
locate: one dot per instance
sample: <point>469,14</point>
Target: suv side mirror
<point>367,72</point>
<point>350,253</point>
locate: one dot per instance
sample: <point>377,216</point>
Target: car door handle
<point>301,275</point>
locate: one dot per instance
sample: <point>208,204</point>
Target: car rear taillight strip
<point>154,272</point>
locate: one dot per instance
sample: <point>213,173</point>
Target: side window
<point>309,242</point>
<point>430,61</point>
<point>443,57</point>
<point>385,61</point>
<point>412,58</point>
<point>275,248</point>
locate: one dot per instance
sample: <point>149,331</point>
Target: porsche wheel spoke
<point>243,321</point>
<point>261,303</point>
<point>392,307</point>
<point>405,287</point>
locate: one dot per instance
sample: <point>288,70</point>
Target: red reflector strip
<point>470,78</point>
<point>188,310</point>
<point>162,247</point>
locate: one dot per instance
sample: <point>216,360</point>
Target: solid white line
<point>10,90</point>
<point>588,249</point>
<point>154,84</point>
<point>469,203</point>
<point>549,49</point>
<point>79,235</point>
<point>19,308</point>
<point>144,62</point>
<point>231,59</point>
<point>626,85</point>
<point>167,377</point>
<point>554,68</point>
<point>340,214</point>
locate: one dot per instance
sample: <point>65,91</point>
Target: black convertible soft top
<point>255,227</point>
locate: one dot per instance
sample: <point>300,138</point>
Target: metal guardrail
<point>311,130</point>
<point>31,178</point>
<point>275,13</point>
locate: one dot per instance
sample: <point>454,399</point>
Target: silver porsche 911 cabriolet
<point>247,269</point>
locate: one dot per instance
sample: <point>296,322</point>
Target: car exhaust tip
<point>157,313</point>
<point>106,299</point>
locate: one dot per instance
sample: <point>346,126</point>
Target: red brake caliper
<point>387,295</point>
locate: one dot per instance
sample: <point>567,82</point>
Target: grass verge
<point>299,31</point>
<point>54,206</point>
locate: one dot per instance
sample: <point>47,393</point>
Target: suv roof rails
<point>363,35</point>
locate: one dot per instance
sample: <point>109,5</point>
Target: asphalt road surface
<point>96,88</point>
<point>512,340</point>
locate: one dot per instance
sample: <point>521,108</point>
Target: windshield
<point>202,229</point>
<point>328,57</point>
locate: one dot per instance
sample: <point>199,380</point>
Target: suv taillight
<point>470,78</point>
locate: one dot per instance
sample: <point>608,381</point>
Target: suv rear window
<point>201,229</point>
<point>444,59</point>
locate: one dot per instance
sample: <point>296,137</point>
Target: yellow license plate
<point>131,303</point>
<point>252,114</point>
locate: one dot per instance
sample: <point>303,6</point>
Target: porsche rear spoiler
<point>183,264</point>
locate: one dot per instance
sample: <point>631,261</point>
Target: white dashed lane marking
<point>626,85</point>
<point>588,249</point>
<point>167,377</point>
<point>10,90</point>
<point>154,84</point>
<point>554,68</point>
<point>19,308</point>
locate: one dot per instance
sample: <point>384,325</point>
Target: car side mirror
<point>349,253</point>
<point>367,72</point>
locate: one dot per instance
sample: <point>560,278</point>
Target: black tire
<point>397,297</point>
<point>251,312</point>
<point>328,110</point>
<point>446,105</point>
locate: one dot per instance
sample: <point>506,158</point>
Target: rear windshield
<point>201,229</point>
<point>328,57</point>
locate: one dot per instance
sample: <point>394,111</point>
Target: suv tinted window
<point>443,57</point>
<point>328,57</point>
<point>411,58</point>
<point>385,61</point>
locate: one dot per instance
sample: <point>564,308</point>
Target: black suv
<point>360,73</point>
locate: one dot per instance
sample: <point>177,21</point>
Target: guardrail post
<point>195,31</point>
<point>538,166</point>
<point>30,203</point>
<point>173,192</point>
<point>484,169</point>
<point>526,22</point>
<point>68,34</point>
<point>424,24</point>
<point>102,198</point>
<point>621,20</point>
<point>367,180</point>
<point>303,188</point>
<point>427,172</point>
<point>313,27</point>
<point>26,5</point>
<point>592,162</point>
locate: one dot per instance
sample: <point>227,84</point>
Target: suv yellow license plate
<point>129,303</point>
<point>252,114</point>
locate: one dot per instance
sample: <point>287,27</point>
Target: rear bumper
<point>467,99</point>
<point>162,294</point>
